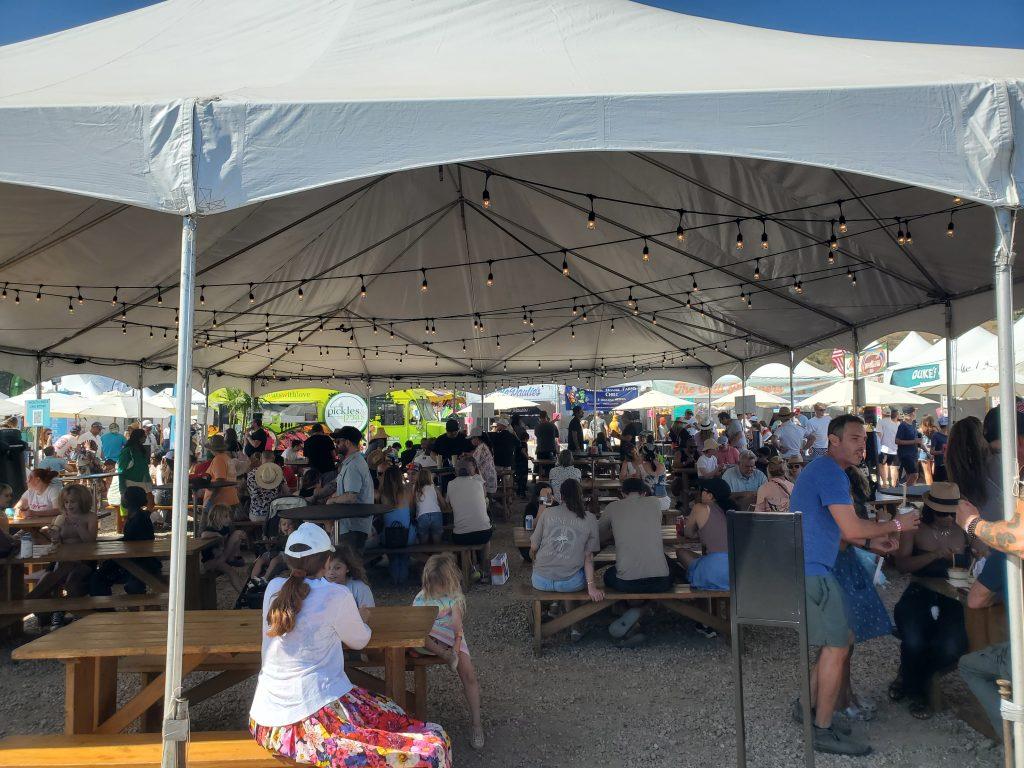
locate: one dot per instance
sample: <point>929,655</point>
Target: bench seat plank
<point>81,604</point>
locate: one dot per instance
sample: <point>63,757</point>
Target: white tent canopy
<point>761,398</point>
<point>840,394</point>
<point>283,105</point>
<point>500,401</point>
<point>117,405</point>
<point>913,345</point>
<point>60,404</point>
<point>653,399</point>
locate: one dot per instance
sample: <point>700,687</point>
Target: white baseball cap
<point>308,539</point>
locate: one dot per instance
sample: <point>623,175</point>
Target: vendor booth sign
<point>607,398</point>
<point>916,376</point>
<point>37,413</point>
<point>346,410</point>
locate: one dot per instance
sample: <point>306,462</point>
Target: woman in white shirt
<point>707,464</point>
<point>305,708</point>
<point>470,521</point>
<point>40,498</point>
<point>562,472</point>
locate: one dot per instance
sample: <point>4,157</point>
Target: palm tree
<point>238,404</point>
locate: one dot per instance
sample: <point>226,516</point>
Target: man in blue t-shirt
<point>908,444</point>
<point>940,438</point>
<point>822,496</point>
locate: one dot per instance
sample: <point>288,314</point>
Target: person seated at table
<point>345,567</point>
<point>707,520</point>
<point>707,464</point>
<point>929,615</point>
<point>225,554</point>
<point>50,460</point>
<point>406,457</point>
<point>484,459</point>
<point>291,478</point>
<point>40,496</point>
<point>562,548</point>
<point>221,470</point>
<point>271,563</point>
<point>424,456</point>
<point>562,471</point>
<point>8,544</point>
<point>138,526</point>
<point>774,495</point>
<point>317,487</point>
<point>442,589</point>
<point>542,498</point>
<point>265,483</point>
<point>471,524</point>
<point>398,528</point>
<point>728,455</point>
<point>744,477</point>
<point>794,466</point>
<point>76,524</point>
<point>305,708</point>
<point>634,523</point>
<point>291,453</point>
<point>426,499</point>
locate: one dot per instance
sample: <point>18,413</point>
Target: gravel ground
<point>666,703</point>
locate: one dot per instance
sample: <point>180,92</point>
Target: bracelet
<point>590,583</point>
<point>899,525</point>
<point>971,527</point>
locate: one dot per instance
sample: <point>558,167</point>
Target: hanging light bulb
<point>362,287</point>
<point>849,274</point>
<point>798,286</point>
<point>570,366</point>
<point>159,296</point>
<point>689,302</point>
<point>252,296</point>
<point>833,242</point>
<point>525,321</point>
<point>575,309</point>
<point>757,269</point>
<point>572,332</point>
<point>374,321</point>
<point>113,300</point>
<point>245,347</point>
<point>215,318</point>
<point>480,321</point>
<point>202,294</point>
<point>39,294</point>
<point>654,319</point>
<point>909,237</point>
<point>423,286</point>
<point>900,237</point>
<point>533,337</point>
<point>497,342</point>
<point>584,314</point>
<point>485,200</point>
<point>151,331</point>
<point>743,297</point>
<point>433,328</point>
<point>696,288</point>
<point>124,329</point>
<point>612,328</point>
<point>764,235</point>
<point>950,228</point>
<point>565,263</point>
<point>636,308</point>
<point>591,216</point>
<point>739,236</point>
<point>71,306</point>
<point>842,218</point>
<point>630,301</point>
<point>830,256</point>
<point>17,296</point>
<point>531,318</point>
<point>490,273</point>
<point>301,295</point>
<point>124,312</point>
<point>3,296</point>
<point>646,253</point>
<point>957,201</point>
<point>680,230</point>
<point>266,322</point>
<point>538,365</point>
<point>391,331</point>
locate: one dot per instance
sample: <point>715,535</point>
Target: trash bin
<point>12,460</point>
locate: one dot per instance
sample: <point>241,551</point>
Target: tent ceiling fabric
<point>275,98</point>
<point>298,113</point>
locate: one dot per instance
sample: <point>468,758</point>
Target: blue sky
<point>962,22</point>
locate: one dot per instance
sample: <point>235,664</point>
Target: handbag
<point>396,536</point>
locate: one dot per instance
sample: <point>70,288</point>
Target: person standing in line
<point>734,431</point>
<point>908,445</point>
<point>111,442</point>
<point>318,449</point>
<point>255,438</point>
<point>822,494</point>
<point>546,434</point>
<point>790,437</point>
<point>818,425</point>
<point>887,461</point>
<point>939,438</point>
<point>576,430</point>
<point>354,485</point>
<point>520,463</point>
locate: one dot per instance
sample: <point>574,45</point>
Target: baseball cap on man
<point>308,539</point>
<point>349,433</point>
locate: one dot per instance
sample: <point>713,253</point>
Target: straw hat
<point>268,476</point>
<point>217,444</point>
<point>943,497</point>
<point>710,444</point>
<point>380,434</point>
<point>705,424</point>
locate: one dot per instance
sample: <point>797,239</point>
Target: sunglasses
<point>937,513</point>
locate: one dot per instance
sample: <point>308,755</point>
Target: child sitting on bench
<point>226,555</point>
<point>442,587</point>
<point>137,527</point>
<point>345,567</point>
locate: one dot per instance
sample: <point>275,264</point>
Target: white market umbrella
<point>168,402</point>
<point>117,405</point>
<point>969,385</point>
<point>653,399</point>
<point>502,402</point>
<point>60,404</point>
<point>760,398</point>
<point>841,394</point>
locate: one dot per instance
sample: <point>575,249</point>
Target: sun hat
<point>217,444</point>
<point>268,476</point>
<point>75,429</point>
<point>308,539</point>
<point>711,444</point>
<point>705,424</point>
<point>380,434</point>
<point>943,496</point>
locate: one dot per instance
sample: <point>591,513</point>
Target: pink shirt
<point>774,495</point>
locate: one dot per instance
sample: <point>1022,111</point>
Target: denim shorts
<point>574,583</point>
<point>430,524</point>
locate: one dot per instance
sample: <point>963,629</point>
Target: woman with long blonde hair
<point>305,708</point>
<point>442,588</point>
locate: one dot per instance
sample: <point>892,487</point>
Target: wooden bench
<point>678,599</point>
<point>464,553</point>
<point>82,605</point>
<point>245,665</point>
<point>212,749</point>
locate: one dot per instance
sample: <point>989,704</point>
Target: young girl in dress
<point>305,708</point>
<point>345,567</point>
<point>442,587</point>
<point>225,556</point>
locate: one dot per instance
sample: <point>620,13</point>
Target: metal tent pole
<point>710,382</point>
<point>792,395</point>
<point>949,362</point>
<point>140,394</point>
<point>39,396</point>
<point>206,402</point>
<point>176,723</point>
<point>1003,258</point>
<point>855,400</point>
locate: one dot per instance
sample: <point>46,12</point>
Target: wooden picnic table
<point>915,491</point>
<point>94,482</point>
<point>338,511</point>
<point>120,551</point>
<point>91,648</point>
<point>34,525</point>
<point>686,475</point>
<point>198,522</point>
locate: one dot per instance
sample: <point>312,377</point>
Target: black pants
<point>473,538</point>
<point>928,644</point>
<point>654,584</point>
<point>939,474</point>
<point>521,469</point>
<point>110,573</point>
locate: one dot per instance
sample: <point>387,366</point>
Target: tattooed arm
<point>1004,535</point>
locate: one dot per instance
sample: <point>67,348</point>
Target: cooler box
<point>499,569</point>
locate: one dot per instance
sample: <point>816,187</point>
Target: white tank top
<point>427,501</point>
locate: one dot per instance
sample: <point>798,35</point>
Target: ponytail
<point>287,603</point>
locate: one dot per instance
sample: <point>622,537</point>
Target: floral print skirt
<point>359,729</point>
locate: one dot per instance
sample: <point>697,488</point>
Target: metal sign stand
<point>769,592</point>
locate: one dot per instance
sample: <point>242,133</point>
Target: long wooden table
<point>34,525</point>
<point>91,648</point>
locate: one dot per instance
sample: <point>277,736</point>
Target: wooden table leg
<point>394,675</point>
<point>193,588</point>
<point>12,587</point>
<point>90,693</point>
<point>153,720</point>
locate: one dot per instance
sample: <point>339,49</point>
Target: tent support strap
<point>950,407</point>
<point>1003,264</point>
<point>175,722</point>
<point>792,395</point>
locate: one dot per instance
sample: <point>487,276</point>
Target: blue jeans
<point>429,524</point>
<point>575,583</point>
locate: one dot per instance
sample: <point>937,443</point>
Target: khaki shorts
<point>826,612</point>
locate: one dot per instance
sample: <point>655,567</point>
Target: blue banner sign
<point>607,398</point>
<point>912,377</point>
